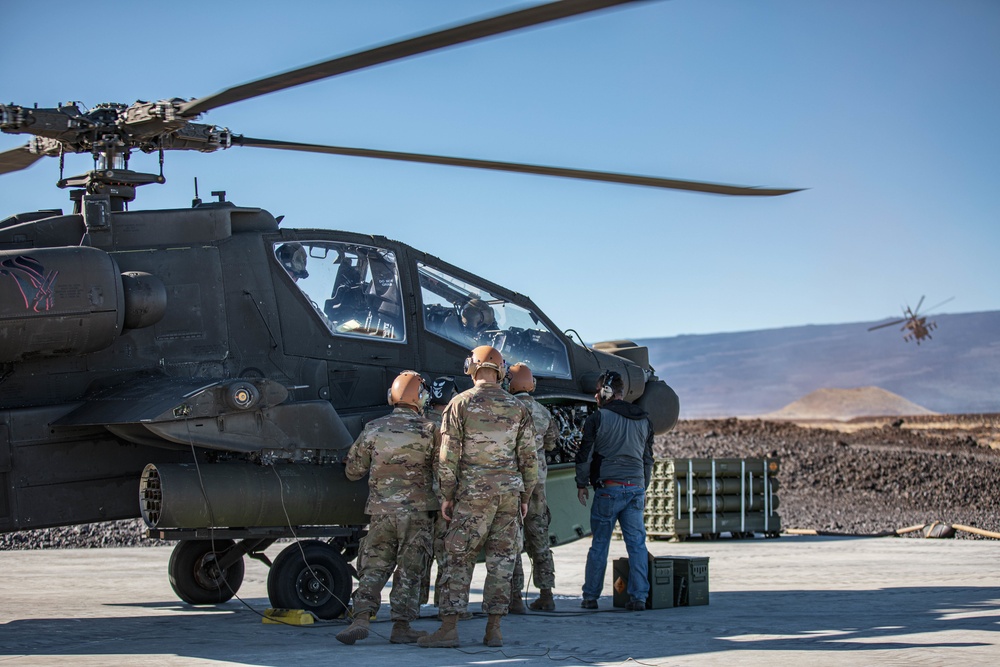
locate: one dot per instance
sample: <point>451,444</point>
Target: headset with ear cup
<point>605,385</point>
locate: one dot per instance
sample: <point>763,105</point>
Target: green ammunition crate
<point>661,582</point>
<point>709,497</point>
<point>690,580</point>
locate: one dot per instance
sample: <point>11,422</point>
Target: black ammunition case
<point>661,582</point>
<point>690,580</point>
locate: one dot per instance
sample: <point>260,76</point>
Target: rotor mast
<point>110,139</point>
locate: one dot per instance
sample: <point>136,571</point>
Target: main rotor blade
<point>887,324</point>
<point>607,177</point>
<point>17,159</point>
<point>409,47</point>
<point>938,305</point>
<point>919,303</point>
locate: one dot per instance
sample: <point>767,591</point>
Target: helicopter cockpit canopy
<point>472,315</point>
<point>354,288</point>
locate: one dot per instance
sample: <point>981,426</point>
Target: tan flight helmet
<point>477,315</point>
<point>409,389</point>
<point>485,356</point>
<point>293,257</point>
<point>521,379</point>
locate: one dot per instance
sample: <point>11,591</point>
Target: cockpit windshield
<point>354,288</point>
<point>471,315</point>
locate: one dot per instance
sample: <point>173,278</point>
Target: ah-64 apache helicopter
<point>208,370</point>
<point>914,323</point>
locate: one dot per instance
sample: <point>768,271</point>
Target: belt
<point>611,482</point>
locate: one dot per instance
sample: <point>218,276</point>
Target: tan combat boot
<point>517,603</point>
<point>402,633</point>
<point>544,601</point>
<point>355,631</point>
<point>493,637</point>
<point>444,637</point>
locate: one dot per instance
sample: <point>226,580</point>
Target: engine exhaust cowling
<point>58,302</point>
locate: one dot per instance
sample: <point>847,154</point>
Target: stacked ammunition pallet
<point>709,497</point>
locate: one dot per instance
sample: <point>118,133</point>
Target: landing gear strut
<point>200,573</point>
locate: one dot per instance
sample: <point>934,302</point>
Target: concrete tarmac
<point>791,601</point>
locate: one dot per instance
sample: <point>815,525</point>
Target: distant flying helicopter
<point>916,325</point>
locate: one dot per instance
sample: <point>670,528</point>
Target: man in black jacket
<point>616,457</point>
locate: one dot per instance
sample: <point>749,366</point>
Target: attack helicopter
<point>207,369</point>
<point>914,323</point>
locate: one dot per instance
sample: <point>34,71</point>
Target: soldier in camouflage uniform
<point>536,523</point>
<point>443,389</point>
<point>397,452</point>
<point>486,472</point>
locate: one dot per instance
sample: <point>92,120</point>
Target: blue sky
<point>886,110</point>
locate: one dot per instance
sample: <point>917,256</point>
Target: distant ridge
<point>751,373</point>
<point>846,404</point>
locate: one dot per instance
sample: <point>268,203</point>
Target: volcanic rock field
<point>862,476</point>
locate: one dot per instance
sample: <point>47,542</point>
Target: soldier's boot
<point>355,631</point>
<point>444,637</point>
<point>402,633</point>
<point>493,637</point>
<point>544,601</point>
<point>517,603</point>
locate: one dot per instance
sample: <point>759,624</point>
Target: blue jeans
<point>623,504</point>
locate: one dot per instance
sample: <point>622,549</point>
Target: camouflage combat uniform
<point>398,451</point>
<point>536,523</point>
<point>434,413</point>
<point>488,466</point>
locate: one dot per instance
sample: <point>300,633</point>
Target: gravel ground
<point>872,479</point>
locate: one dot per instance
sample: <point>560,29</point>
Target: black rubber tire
<point>310,575</point>
<point>194,576</point>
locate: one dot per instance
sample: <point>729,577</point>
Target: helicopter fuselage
<point>179,337</point>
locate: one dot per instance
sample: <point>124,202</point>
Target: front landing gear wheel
<point>195,574</point>
<point>310,575</point>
